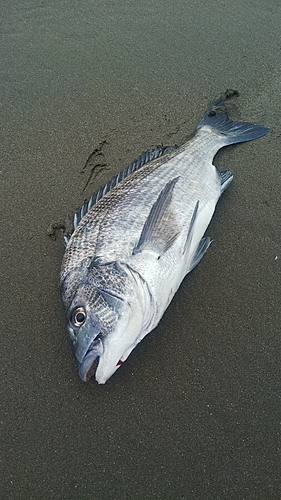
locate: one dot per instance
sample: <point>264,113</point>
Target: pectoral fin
<point>159,231</point>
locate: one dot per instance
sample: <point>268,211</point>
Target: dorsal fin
<point>146,157</point>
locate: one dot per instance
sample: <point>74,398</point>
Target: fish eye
<point>78,317</point>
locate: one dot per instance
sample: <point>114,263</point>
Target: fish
<point>136,239</point>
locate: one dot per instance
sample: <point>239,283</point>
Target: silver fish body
<point>138,239</point>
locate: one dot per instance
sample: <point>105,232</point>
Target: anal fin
<point>225,178</point>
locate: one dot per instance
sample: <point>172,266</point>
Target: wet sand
<point>194,413</point>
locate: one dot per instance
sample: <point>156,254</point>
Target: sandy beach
<point>194,413</point>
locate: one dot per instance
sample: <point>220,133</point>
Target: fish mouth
<point>92,370</point>
<point>89,364</point>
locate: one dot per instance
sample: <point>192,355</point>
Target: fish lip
<point>88,366</point>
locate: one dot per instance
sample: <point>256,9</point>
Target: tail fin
<point>217,118</point>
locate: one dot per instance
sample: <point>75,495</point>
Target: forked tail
<point>217,118</point>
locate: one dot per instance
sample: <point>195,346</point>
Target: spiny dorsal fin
<point>149,155</point>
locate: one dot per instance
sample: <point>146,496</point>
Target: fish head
<point>104,318</point>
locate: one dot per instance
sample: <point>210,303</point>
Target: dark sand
<point>195,411</point>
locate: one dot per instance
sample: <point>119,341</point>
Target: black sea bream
<point>137,238</point>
